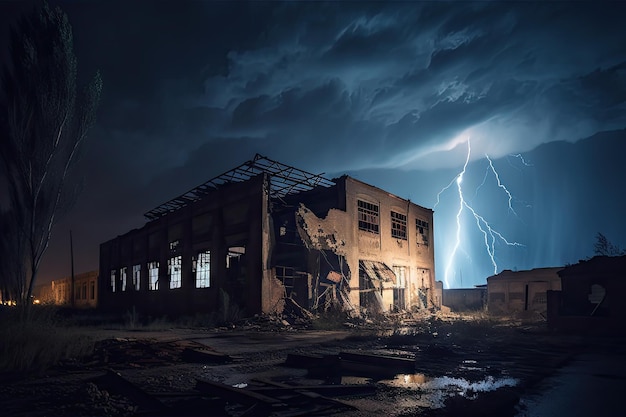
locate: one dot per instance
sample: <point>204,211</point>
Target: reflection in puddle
<point>424,382</point>
<point>438,388</point>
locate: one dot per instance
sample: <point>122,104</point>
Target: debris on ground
<point>268,365</point>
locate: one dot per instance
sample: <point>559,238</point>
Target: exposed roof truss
<point>284,180</point>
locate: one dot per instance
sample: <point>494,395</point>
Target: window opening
<point>137,277</point>
<point>175,271</point>
<point>153,275</point>
<point>234,255</point>
<point>123,277</point>
<point>422,232</point>
<point>398,225</point>
<point>399,301</point>
<point>113,280</point>
<point>202,267</point>
<point>174,246</point>
<point>368,216</point>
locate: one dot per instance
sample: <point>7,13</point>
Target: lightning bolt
<point>493,169</point>
<point>521,158</point>
<point>491,235</point>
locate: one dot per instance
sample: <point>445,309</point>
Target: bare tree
<point>604,247</point>
<point>44,119</point>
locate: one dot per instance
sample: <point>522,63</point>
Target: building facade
<point>265,234</point>
<point>520,291</point>
<point>59,291</point>
<point>591,298</point>
<point>465,299</point>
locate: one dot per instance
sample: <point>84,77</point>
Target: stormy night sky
<point>387,93</point>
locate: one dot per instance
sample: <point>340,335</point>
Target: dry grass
<point>35,339</point>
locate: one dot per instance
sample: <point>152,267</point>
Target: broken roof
<point>284,180</point>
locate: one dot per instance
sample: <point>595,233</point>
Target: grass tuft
<point>35,339</point>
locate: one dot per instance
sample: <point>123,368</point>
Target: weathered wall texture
<point>226,229</point>
<point>465,299</point>
<point>518,291</point>
<point>349,245</point>
<point>591,299</point>
<point>382,272</point>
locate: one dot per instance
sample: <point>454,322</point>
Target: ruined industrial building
<point>264,237</point>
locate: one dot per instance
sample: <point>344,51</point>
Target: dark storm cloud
<point>312,83</point>
<point>194,88</point>
<point>421,74</point>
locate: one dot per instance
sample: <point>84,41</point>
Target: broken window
<point>92,290</point>
<point>175,271</point>
<point>422,232</point>
<point>153,275</point>
<point>372,274</point>
<point>368,216</point>
<point>123,277</point>
<point>175,246</point>
<point>398,225</point>
<point>202,268</point>
<point>234,255</point>
<point>113,280</point>
<point>137,277</point>
<point>398,290</point>
<point>286,275</point>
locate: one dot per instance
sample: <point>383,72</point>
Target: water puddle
<point>434,390</point>
<point>423,382</point>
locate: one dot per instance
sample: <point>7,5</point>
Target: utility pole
<point>72,287</point>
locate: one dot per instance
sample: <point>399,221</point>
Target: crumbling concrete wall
<point>374,257</point>
<point>330,233</point>
<point>327,241</point>
<point>273,291</point>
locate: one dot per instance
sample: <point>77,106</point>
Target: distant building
<point>465,299</point>
<point>520,291</point>
<point>59,291</point>
<point>592,296</point>
<point>264,233</point>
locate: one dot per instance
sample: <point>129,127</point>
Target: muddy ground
<point>430,366</point>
